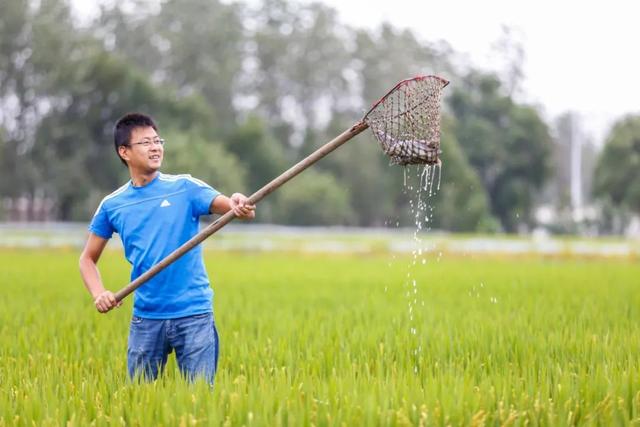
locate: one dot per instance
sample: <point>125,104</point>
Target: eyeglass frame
<point>148,142</point>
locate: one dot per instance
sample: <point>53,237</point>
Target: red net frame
<point>406,121</point>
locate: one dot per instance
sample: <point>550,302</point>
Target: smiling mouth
<point>156,157</point>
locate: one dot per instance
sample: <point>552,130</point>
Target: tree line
<point>243,90</point>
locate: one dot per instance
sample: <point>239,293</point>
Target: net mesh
<point>406,121</point>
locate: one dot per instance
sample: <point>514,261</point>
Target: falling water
<point>422,214</point>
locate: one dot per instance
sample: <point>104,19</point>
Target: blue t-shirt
<point>152,222</point>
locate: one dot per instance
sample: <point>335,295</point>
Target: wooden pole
<point>253,199</point>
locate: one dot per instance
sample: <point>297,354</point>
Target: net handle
<point>445,82</point>
<point>290,173</point>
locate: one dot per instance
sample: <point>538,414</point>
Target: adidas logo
<point>165,203</point>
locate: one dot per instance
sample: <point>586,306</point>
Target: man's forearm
<point>91,277</point>
<point>220,205</point>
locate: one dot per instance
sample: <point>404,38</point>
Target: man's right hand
<point>106,301</point>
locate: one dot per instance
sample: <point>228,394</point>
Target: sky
<point>578,56</point>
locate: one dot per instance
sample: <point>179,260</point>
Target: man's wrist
<point>97,293</point>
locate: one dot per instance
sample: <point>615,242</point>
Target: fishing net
<point>406,121</point>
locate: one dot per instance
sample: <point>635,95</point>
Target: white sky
<point>580,56</point>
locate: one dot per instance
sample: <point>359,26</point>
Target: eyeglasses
<point>147,142</point>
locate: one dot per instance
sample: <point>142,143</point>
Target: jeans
<point>194,339</point>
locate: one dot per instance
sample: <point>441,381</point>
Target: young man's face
<point>144,152</point>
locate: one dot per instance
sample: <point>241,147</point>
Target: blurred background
<point>540,130</point>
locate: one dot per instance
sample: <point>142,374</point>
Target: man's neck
<point>140,179</point>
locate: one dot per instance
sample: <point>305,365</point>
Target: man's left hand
<point>240,207</point>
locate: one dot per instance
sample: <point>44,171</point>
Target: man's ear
<point>122,151</point>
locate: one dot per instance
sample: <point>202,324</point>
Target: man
<point>154,214</point>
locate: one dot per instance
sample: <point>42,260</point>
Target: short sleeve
<point>100,224</point>
<point>202,196</point>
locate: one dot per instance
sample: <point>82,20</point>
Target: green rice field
<point>337,339</point>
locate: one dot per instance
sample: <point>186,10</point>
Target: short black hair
<point>125,125</point>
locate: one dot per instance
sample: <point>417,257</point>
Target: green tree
<point>313,198</point>
<point>508,145</point>
<point>386,55</point>
<point>34,39</point>
<point>20,81</point>
<point>263,155</point>
<point>297,65</point>
<point>462,202</point>
<point>617,175</point>
<point>209,161</point>
<point>195,46</point>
